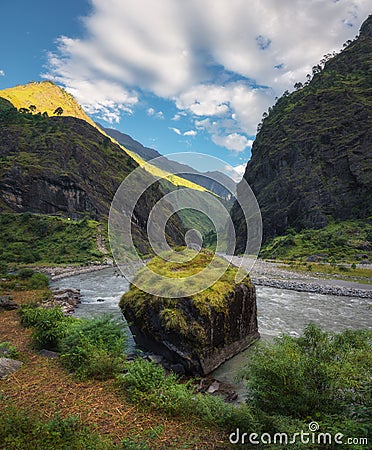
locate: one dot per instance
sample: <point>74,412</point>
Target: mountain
<point>214,181</point>
<point>311,161</point>
<point>45,97</point>
<point>48,99</point>
<point>64,165</point>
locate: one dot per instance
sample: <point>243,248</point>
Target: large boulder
<point>199,331</point>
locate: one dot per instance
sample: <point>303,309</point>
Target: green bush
<point>25,273</point>
<point>11,351</point>
<point>39,281</point>
<point>90,347</point>
<point>148,385</point>
<point>94,347</point>
<point>318,374</point>
<point>50,325</point>
<point>20,430</point>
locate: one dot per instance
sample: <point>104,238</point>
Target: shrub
<point>319,373</point>
<point>148,385</point>
<point>94,347</point>
<point>11,351</point>
<point>20,430</point>
<point>25,273</point>
<point>39,281</point>
<point>50,325</point>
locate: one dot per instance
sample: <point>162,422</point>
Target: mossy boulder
<point>199,331</point>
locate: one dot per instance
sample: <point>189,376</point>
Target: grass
<point>174,278</point>
<point>340,241</point>
<point>343,272</point>
<point>46,97</point>
<point>46,396</point>
<point>42,240</point>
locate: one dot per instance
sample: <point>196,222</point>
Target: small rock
<point>214,387</point>
<point>7,303</point>
<point>8,366</point>
<point>100,300</point>
<point>49,354</point>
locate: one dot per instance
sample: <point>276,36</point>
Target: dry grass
<point>43,386</point>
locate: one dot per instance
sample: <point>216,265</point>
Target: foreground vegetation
<point>84,399</point>
<point>341,241</point>
<point>41,239</point>
<point>320,376</point>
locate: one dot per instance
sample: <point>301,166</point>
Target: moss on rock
<point>200,330</point>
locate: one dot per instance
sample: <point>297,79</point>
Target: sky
<point>176,75</point>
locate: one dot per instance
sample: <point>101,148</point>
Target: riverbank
<point>56,273</point>
<point>270,274</point>
<point>263,273</point>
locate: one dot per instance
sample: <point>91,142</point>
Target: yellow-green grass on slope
<point>46,96</point>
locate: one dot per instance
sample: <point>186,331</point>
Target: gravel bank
<point>269,274</point>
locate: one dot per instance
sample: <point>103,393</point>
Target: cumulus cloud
<point>224,60</point>
<point>233,141</point>
<point>190,133</point>
<point>176,130</point>
<point>237,172</point>
<point>2,73</point>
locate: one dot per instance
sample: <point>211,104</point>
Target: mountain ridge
<point>46,98</point>
<point>214,181</point>
<point>311,160</point>
<point>63,165</point>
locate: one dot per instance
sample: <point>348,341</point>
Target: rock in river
<point>200,331</point>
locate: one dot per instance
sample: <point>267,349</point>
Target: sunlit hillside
<point>45,96</point>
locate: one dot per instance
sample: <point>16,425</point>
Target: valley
<point>186,332</point>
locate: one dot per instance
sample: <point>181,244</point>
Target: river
<point>279,310</point>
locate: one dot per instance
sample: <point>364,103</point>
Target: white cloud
<point>190,133</point>
<point>235,141</point>
<point>157,114</point>
<point>237,172</point>
<point>2,73</point>
<point>186,133</point>
<point>223,60</point>
<point>176,130</point>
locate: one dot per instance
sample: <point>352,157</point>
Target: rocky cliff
<point>63,165</point>
<point>312,158</point>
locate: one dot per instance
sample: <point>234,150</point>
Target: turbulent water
<point>279,310</point>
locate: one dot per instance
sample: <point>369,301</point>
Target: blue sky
<point>177,76</point>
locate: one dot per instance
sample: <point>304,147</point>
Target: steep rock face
<point>200,335</point>
<point>311,160</point>
<point>63,165</point>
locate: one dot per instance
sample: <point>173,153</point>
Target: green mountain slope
<point>63,165</point>
<point>47,98</point>
<point>312,158</point>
